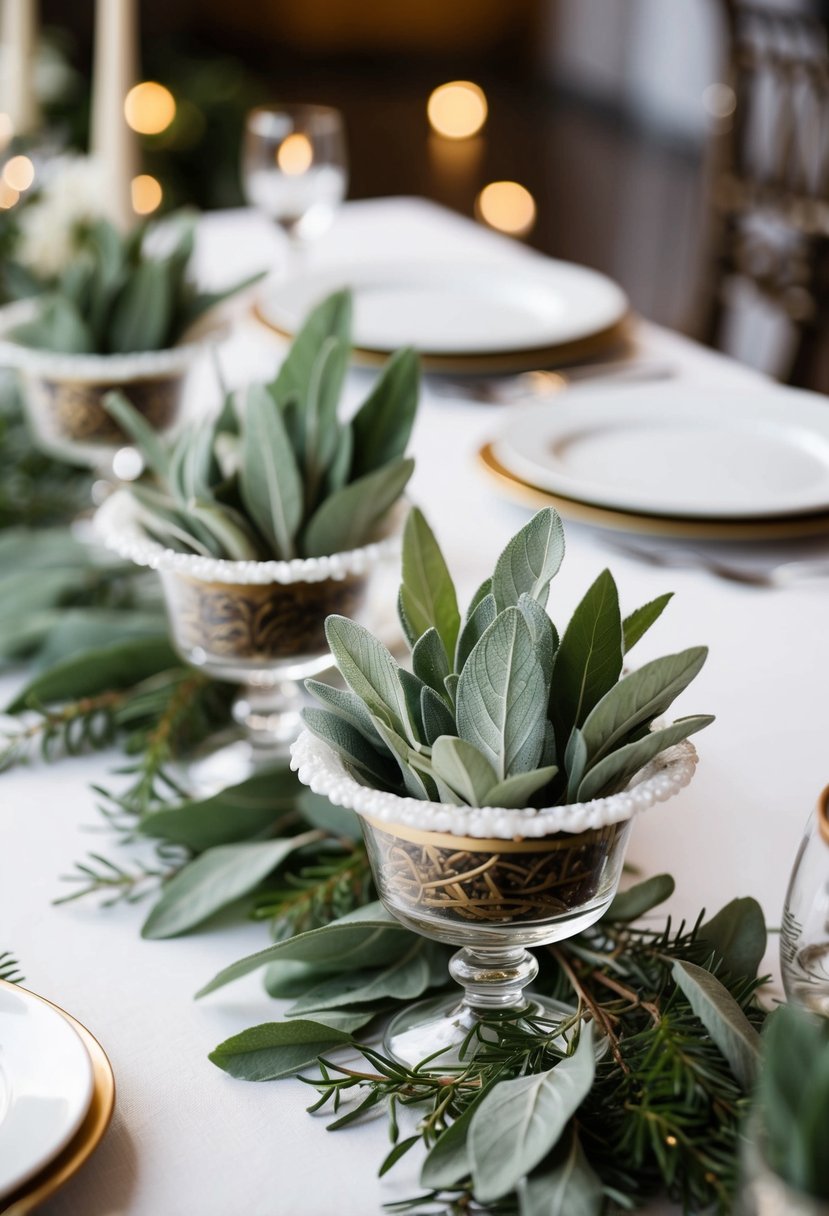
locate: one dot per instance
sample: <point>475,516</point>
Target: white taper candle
<point>115,71</point>
<point>19,47</point>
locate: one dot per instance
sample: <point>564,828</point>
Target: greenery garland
<point>658,1113</point>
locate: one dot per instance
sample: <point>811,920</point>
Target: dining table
<point>186,1138</point>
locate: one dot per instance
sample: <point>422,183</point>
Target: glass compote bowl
<point>490,881</point>
<point>63,395</point>
<point>260,624</point>
<point>804,935</point>
<point>295,168</point>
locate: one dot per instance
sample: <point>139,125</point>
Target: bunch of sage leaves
<point>117,296</point>
<point>284,476</point>
<point>497,709</point>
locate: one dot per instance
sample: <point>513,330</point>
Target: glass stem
<point>494,979</point>
<point>270,715</point>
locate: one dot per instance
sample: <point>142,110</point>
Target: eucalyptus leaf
<point>371,940</point>
<point>92,671</point>
<point>520,1121</point>
<point>447,1162</point>
<point>501,697</point>
<point>722,1017</point>
<point>737,934</point>
<point>407,977</point>
<point>628,906</point>
<point>336,821</point>
<point>216,878</point>
<point>239,812</point>
<point>569,1187</point>
<point>276,1049</point>
<point>530,561</point>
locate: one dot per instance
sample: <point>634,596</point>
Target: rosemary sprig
<point>97,875</point>
<point>9,968</point>
<point>336,882</point>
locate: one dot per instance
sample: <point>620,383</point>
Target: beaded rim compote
<point>490,880</point>
<point>255,623</point>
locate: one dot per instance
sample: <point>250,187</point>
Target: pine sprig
<point>88,724</point>
<point>9,968</point>
<point>337,882</point>
<point>98,875</point>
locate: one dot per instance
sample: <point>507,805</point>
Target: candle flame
<point>507,206</point>
<point>295,154</point>
<point>146,194</point>
<point>149,108</point>
<point>457,110</point>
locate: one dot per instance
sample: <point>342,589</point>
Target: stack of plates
<point>57,1093</point>
<point>679,460</point>
<point>467,317</point>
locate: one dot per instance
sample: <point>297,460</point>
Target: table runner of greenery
<point>660,1111</point>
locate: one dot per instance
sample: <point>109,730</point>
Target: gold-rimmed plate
<point>88,1136</point>
<point>472,317</point>
<point>766,529</point>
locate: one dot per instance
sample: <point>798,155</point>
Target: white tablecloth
<point>188,1139</point>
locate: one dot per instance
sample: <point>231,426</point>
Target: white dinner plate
<point>46,1086</point>
<point>456,308</point>
<point>696,452</point>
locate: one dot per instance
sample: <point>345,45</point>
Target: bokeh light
<point>719,100</point>
<point>19,173</point>
<point>507,206</point>
<point>146,194</point>
<point>8,196</point>
<point>295,154</point>
<point>457,110</point>
<point>149,108</point>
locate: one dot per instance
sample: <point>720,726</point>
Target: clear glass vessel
<point>804,935</point>
<point>295,167</point>
<point>63,394</point>
<point>490,881</point>
<point>257,624</point>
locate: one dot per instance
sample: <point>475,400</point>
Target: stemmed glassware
<point>295,168</point>
<point>492,882</point>
<point>804,936</point>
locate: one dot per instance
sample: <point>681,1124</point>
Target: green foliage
<point>531,1119</point>
<point>284,477</point>
<point>9,968</point>
<point>117,296</point>
<point>791,1100</point>
<point>497,711</point>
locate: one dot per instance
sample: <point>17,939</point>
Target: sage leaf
<point>629,905</point>
<point>589,659</point>
<point>269,481</point>
<point>570,1188</point>
<point>384,421</point>
<point>722,1017</point>
<point>427,592</point>
<point>154,451</point>
<point>435,716</point>
<point>517,790</point>
<point>530,561</point>
<point>368,669</point>
<point>347,1020</point>
<point>615,771</point>
<point>737,934</point>
<point>239,812</point>
<point>217,878</point>
<point>57,327</point>
<point>464,768</point>
<point>92,671</point>
<point>407,977</point>
<point>321,429</point>
<point>349,743</point>
<point>501,705</point>
<point>348,706</point>
<point>228,527</point>
<point>474,628</point>
<point>575,762</point>
<point>542,630</point>
<point>429,661</point>
<point>71,630</point>
<point>276,1049</point>
<point>639,622</point>
<point>334,820</point>
<point>348,518</point>
<point>638,698</point>
<point>142,315</point>
<point>369,940</point>
<point>447,1162</point>
<point>331,318</point>
<point>520,1121</point>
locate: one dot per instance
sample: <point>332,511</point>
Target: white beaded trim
<point>58,366</point>
<point>116,523</point>
<point>321,768</point>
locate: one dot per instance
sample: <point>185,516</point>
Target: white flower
<point>71,195</point>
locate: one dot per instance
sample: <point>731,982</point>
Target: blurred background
<point>678,146</point>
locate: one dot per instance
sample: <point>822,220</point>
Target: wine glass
<point>295,168</point>
<point>490,881</point>
<point>804,935</point>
